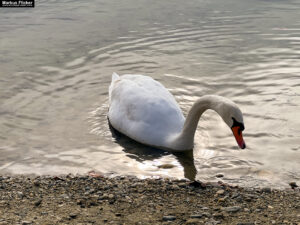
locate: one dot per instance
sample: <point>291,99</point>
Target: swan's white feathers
<point>143,109</point>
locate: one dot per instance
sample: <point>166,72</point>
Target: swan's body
<point>144,110</point>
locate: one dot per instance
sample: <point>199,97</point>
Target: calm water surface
<point>56,63</point>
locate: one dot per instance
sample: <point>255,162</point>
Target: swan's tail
<point>114,77</point>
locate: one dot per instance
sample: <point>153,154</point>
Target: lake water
<point>56,63</point>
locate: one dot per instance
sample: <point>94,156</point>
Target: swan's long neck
<point>185,140</point>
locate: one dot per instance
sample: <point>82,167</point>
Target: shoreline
<point>128,200</point>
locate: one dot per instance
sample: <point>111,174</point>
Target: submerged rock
<point>293,185</point>
<point>266,190</point>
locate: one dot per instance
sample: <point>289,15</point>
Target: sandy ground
<point>128,200</point>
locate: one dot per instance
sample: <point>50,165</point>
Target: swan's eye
<point>242,127</point>
<point>238,124</point>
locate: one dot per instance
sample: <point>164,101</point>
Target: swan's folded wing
<point>144,110</point>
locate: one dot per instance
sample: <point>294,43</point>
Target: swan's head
<point>233,117</point>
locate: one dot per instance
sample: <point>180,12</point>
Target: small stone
<point>270,207</point>
<point>20,194</point>
<point>196,215</point>
<point>182,185</point>
<point>26,222</point>
<point>222,199</point>
<point>235,195</point>
<point>169,218</point>
<point>192,221</point>
<point>166,166</point>
<point>293,185</point>
<point>36,183</point>
<point>206,214</point>
<point>232,209</point>
<point>38,202</point>
<point>111,196</point>
<point>197,184</point>
<point>220,192</point>
<point>266,190</point>
<point>218,215</point>
<point>127,198</point>
<point>212,222</point>
<point>72,215</point>
<point>175,187</point>
<point>245,223</point>
<point>64,196</point>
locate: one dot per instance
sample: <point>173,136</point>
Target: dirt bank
<point>128,200</point>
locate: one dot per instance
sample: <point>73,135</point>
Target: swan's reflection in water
<point>186,159</point>
<point>141,153</point>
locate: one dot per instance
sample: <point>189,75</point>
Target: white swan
<point>144,110</point>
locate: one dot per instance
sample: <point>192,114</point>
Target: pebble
<point>266,190</point>
<point>38,202</point>
<point>175,187</point>
<point>235,195</point>
<point>232,209</point>
<point>220,192</point>
<point>222,199</point>
<point>192,221</point>
<point>293,185</point>
<point>218,215</point>
<point>20,194</point>
<point>26,222</point>
<point>245,223</point>
<point>169,218</point>
<point>72,215</point>
<point>64,196</point>
<point>182,185</point>
<point>36,183</point>
<point>212,222</point>
<point>196,215</point>
<point>111,196</point>
<point>166,166</point>
<point>206,214</point>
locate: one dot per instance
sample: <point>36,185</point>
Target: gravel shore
<point>128,200</point>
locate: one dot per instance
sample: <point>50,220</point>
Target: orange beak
<point>238,137</point>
